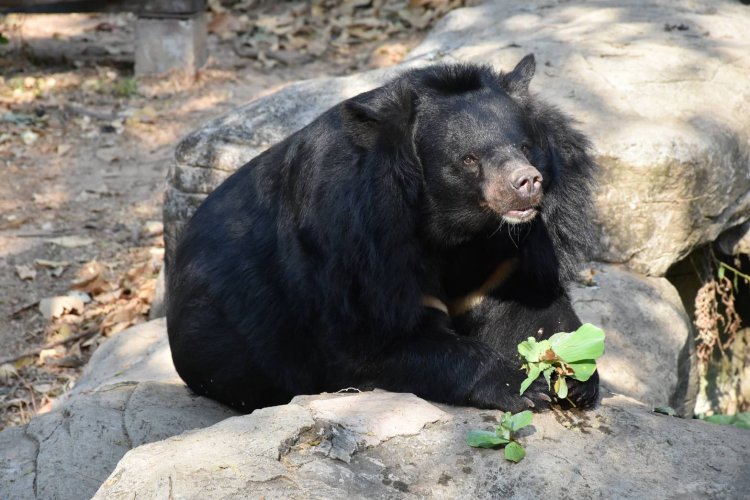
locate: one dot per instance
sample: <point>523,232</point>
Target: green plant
<point>741,420</point>
<point>503,435</point>
<point>569,354</point>
<point>125,87</point>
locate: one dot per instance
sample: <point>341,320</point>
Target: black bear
<point>407,239</point>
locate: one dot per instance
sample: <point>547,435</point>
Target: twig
<point>37,350</point>
<point>99,115</point>
<point>25,308</point>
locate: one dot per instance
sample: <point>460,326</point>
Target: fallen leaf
<point>7,371</point>
<point>26,272</point>
<point>153,228</point>
<point>54,307</point>
<point>70,361</point>
<point>42,388</point>
<point>146,114</point>
<point>24,362</point>
<point>29,137</point>
<point>91,279</point>
<point>47,353</point>
<point>388,55</point>
<point>83,296</point>
<point>51,264</point>
<point>71,241</point>
<point>107,297</point>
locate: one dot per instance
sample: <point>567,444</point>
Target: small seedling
<point>503,435</point>
<point>569,354</point>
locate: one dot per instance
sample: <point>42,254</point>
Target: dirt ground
<point>85,148</point>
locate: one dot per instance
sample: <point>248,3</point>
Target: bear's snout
<point>527,182</point>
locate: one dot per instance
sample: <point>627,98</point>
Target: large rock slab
<point>649,346</point>
<point>129,395</point>
<point>620,450</point>
<point>368,445</point>
<point>660,87</point>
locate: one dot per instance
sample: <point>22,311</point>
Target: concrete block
<point>165,45</point>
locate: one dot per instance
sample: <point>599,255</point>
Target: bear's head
<point>482,164</point>
<point>476,151</point>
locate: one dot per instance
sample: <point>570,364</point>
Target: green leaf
<point>582,370</point>
<point>722,270</point>
<point>666,410</point>
<point>503,430</point>
<point>3,40</point>
<point>514,452</point>
<point>585,343</point>
<point>527,347</point>
<point>484,439</point>
<point>505,420</point>
<point>532,351</point>
<point>547,374</point>
<point>534,371</point>
<point>561,387</point>
<point>521,420</point>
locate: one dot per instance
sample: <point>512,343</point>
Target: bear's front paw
<point>583,395</point>
<point>500,389</point>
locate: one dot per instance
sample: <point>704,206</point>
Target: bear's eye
<point>526,150</point>
<point>470,159</point>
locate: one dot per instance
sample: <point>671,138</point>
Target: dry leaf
<point>23,362</point>
<point>47,353</point>
<point>91,279</point>
<point>153,228</point>
<point>29,137</point>
<point>51,264</point>
<point>26,272</point>
<point>7,371</point>
<point>146,114</point>
<point>71,241</point>
<point>43,388</point>
<point>85,297</point>
<point>54,307</point>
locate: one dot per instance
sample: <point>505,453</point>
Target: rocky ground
<point>85,147</point>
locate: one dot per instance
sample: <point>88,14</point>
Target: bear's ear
<point>383,116</point>
<point>517,81</point>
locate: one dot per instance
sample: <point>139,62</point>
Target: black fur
<point>307,269</point>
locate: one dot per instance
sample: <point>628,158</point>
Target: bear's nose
<point>526,181</point>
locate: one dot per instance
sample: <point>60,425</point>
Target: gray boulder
<point>658,86</point>
<point>649,346</point>
<point>129,395</point>
<point>385,445</point>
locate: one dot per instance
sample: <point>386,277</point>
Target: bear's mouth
<point>520,216</point>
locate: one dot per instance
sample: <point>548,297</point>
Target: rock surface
<point>649,345</point>
<point>620,450</point>
<point>128,395</point>
<point>658,86</point>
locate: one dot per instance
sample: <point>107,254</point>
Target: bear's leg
<point>439,365</point>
